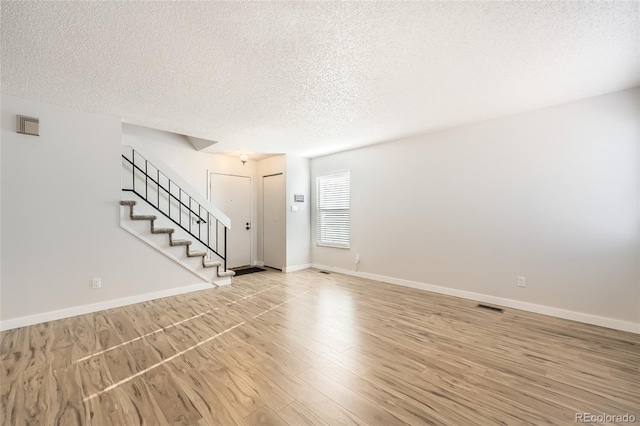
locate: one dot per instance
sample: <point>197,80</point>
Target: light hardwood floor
<point>307,348</point>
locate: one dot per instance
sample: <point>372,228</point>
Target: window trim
<point>324,243</point>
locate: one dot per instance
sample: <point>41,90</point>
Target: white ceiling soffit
<point>309,78</point>
<point>200,144</point>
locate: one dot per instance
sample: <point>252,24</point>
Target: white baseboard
<point>297,267</point>
<point>100,306</point>
<point>509,303</point>
<point>258,263</point>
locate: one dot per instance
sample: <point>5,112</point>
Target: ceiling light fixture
<point>244,158</point>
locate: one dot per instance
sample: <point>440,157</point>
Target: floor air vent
<point>325,272</point>
<point>490,308</point>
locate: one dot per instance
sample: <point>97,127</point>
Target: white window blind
<point>333,218</point>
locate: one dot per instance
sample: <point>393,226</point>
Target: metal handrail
<point>199,216</point>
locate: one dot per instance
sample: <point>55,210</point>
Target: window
<point>333,218</point>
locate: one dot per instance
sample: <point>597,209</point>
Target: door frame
<point>251,216</point>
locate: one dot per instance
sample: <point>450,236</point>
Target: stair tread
<point>127,203</point>
<point>228,273</point>
<point>211,263</point>
<point>163,231</point>
<point>178,242</point>
<point>143,217</point>
<point>196,253</point>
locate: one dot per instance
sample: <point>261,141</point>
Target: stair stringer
<point>141,229</point>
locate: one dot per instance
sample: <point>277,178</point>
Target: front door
<point>232,195</point>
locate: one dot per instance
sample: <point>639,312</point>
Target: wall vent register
<point>28,125</point>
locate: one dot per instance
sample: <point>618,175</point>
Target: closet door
<point>274,225</point>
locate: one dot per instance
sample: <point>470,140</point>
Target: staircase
<point>206,263</point>
<point>164,192</point>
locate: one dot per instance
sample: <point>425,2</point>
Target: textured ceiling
<point>309,78</point>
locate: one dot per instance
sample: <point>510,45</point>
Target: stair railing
<point>170,199</point>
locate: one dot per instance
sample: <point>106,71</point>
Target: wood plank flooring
<point>307,348</point>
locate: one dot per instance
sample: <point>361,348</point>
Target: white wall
<point>298,223</point>
<point>1,137</point>
<point>552,195</point>
<point>60,217</point>
<point>178,153</point>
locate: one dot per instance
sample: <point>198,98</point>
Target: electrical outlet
<point>96,283</point>
<point>522,282</point>
<point>357,258</point>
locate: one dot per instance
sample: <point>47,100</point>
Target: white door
<point>232,195</point>
<point>274,231</point>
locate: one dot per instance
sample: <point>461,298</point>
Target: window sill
<point>333,246</point>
